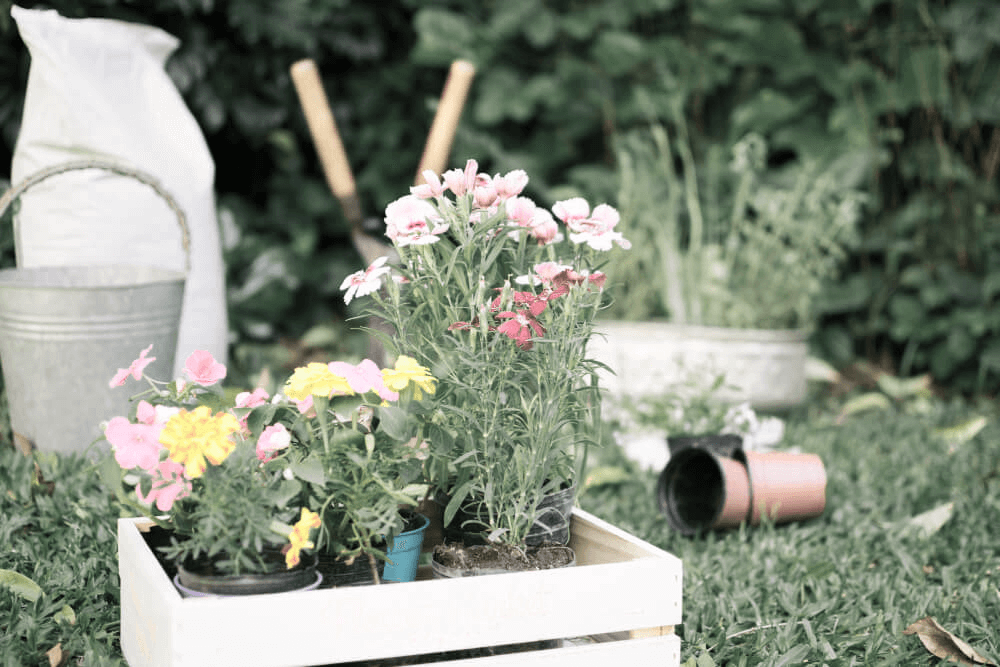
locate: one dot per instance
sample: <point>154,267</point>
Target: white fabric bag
<point>98,88</point>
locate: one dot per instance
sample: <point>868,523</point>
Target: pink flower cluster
<point>522,323</point>
<point>413,220</point>
<point>137,444</point>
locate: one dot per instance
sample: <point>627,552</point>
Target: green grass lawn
<point>837,590</point>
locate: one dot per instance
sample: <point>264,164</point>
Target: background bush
<point>909,89</point>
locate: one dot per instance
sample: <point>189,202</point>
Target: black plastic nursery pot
<point>196,579</point>
<point>338,572</point>
<point>699,490</point>
<point>551,524</point>
<point>724,444</point>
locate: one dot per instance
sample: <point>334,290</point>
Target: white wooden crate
<point>624,595</point>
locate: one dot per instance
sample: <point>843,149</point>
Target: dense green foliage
<point>907,90</point>
<point>57,525</point>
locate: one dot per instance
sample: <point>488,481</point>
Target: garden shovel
<point>333,157</point>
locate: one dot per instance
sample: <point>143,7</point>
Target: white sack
<point>97,88</point>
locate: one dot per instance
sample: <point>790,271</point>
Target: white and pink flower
<point>363,283</point>
<point>411,220</point>
<point>272,440</point>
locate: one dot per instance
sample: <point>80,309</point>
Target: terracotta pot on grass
<point>702,490</point>
<point>785,486</point>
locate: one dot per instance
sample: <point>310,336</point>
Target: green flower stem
<point>321,403</point>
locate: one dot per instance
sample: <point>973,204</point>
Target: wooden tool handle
<point>445,123</point>
<point>323,129</point>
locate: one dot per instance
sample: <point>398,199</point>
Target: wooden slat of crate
<point>620,586</point>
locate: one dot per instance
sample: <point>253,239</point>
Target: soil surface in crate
<point>502,556</point>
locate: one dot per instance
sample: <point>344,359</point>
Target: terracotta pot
<point>785,486</point>
<point>699,491</point>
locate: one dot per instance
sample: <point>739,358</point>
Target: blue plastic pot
<point>404,554</point>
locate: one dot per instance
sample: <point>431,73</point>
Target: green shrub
<point>908,87</point>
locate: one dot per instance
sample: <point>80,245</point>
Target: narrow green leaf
<point>457,498</point>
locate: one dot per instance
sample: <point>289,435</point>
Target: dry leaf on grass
<point>945,645</point>
<point>56,656</point>
<point>928,523</point>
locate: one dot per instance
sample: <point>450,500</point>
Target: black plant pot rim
<point>302,576</point>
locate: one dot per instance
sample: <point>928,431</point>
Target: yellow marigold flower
<point>316,379</point>
<point>298,539</point>
<point>192,437</point>
<point>407,370</point>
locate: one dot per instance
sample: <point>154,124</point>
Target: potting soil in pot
<point>493,558</point>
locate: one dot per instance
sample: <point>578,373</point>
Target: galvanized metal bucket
<point>66,330</point>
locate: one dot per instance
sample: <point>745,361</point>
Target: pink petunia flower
<point>273,439</point>
<point>305,406</point>
<point>135,445</point>
<point>363,283</point>
<point>201,368</point>
<point>135,369</point>
<point>363,378</point>
<point>169,485</point>
<point>247,399</point>
<point>412,221</point>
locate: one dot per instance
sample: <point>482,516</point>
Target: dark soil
<point>503,557</point>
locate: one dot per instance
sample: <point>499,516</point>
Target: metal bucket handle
<point>113,167</point>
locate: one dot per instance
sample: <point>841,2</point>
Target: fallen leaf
<point>901,388</point>
<point>56,656</point>
<point>605,476</point>
<point>962,433</point>
<point>927,523</point>
<point>20,584</point>
<point>65,615</point>
<point>864,403</point>
<point>945,645</point>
